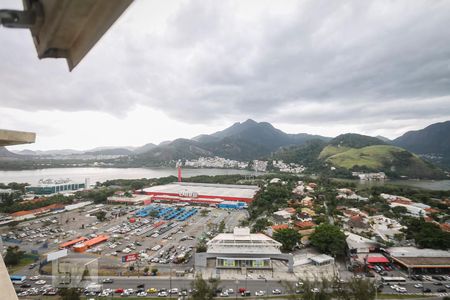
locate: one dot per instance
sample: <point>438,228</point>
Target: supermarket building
<point>206,193</point>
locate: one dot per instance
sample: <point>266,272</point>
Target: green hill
<point>392,160</point>
<point>332,150</point>
<point>354,140</point>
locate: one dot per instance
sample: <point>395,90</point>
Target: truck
<point>93,287</point>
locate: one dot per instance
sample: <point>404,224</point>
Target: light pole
<point>376,288</point>
<point>267,289</point>
<point>170,280</point>
<point>236,291</point>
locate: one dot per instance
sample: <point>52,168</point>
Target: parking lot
<point>164,239</point>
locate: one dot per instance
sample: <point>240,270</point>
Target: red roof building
<point>280,227</point>
<point>72,242</point>
<point>377,260</point>
<point>305,224</point>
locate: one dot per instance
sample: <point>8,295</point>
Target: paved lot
<point>178,238</point>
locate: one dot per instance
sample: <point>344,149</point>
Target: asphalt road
<point>252,284</point>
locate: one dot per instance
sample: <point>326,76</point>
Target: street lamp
<point>236,291</point>
<point>170,279</point>
<point>267,289</point>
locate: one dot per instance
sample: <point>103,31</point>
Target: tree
<point>101,215</point>
<point>329,239</point>
<point>261,224</point>
<point>221,226</point>
<point>154,271</point>
<point>399,210</point>
<point>13,256</point>
<point>204,290</point>
<point>69,294</point>
<point>289,238</point>
<point>154,213</point>
<point>362,289</point>
<point>201,247</point>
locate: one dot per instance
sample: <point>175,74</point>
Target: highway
<point>251,284</point>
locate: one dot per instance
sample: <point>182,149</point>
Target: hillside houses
<point>346,193</point>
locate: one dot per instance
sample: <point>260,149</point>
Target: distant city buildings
<point>260,165</point>
<point>370,176</point>
<point>215,162</point>
<point>288,167</point>
<point>256,165</point>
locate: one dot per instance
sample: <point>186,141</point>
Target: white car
<point>142,294</point>
<point>276,292</point>
<point>34,278</point>
<point>163,294</point>
<point>260,293</point>
<point>41,282</point>
<point>315,290</point>
<point>394,287</point>
<point>224,294</point>
<point>401,290</point>
<point>173,291</point>
<point>418,286</point>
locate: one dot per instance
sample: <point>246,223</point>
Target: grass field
<point>332,150</point>
<point>373,157</point>
<point>382,158</point>
<point>25,261</point>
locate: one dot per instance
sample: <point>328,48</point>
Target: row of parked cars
<point>34,291</point>
<point>430,277</point>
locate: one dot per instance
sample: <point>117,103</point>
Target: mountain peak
<point>249,122</point>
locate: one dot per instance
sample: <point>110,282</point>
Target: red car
<point>118,291</point>
<point>241,290</point>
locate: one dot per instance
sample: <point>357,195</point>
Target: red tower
<point>179,173</point>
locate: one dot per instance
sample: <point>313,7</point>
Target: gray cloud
<point>322,62</point>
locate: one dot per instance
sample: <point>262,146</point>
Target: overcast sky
<point>169,69</point>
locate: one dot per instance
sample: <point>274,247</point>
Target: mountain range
<point>431,143</point>
<point>241,141</point>
<point>253,140</point>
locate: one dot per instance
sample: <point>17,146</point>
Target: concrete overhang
<point>70,28</point>
<point>65,28</point>
<point>12,137</point>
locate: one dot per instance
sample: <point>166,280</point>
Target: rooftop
<point>322,258</point>
<point>416,252</point>
<point>205,189</point>
<point>242,241</point>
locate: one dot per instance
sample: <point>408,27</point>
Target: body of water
<point>437,185</point>
<point>103,174</point>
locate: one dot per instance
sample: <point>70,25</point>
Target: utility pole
<point>170,280</point>
<point>267,288</point>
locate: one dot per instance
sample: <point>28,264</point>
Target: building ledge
<point>12,137</point>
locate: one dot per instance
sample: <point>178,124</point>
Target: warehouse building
<point>419,261</point>
<point>205,193</point>
<point>50,186</point>
<point>242,249</point>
